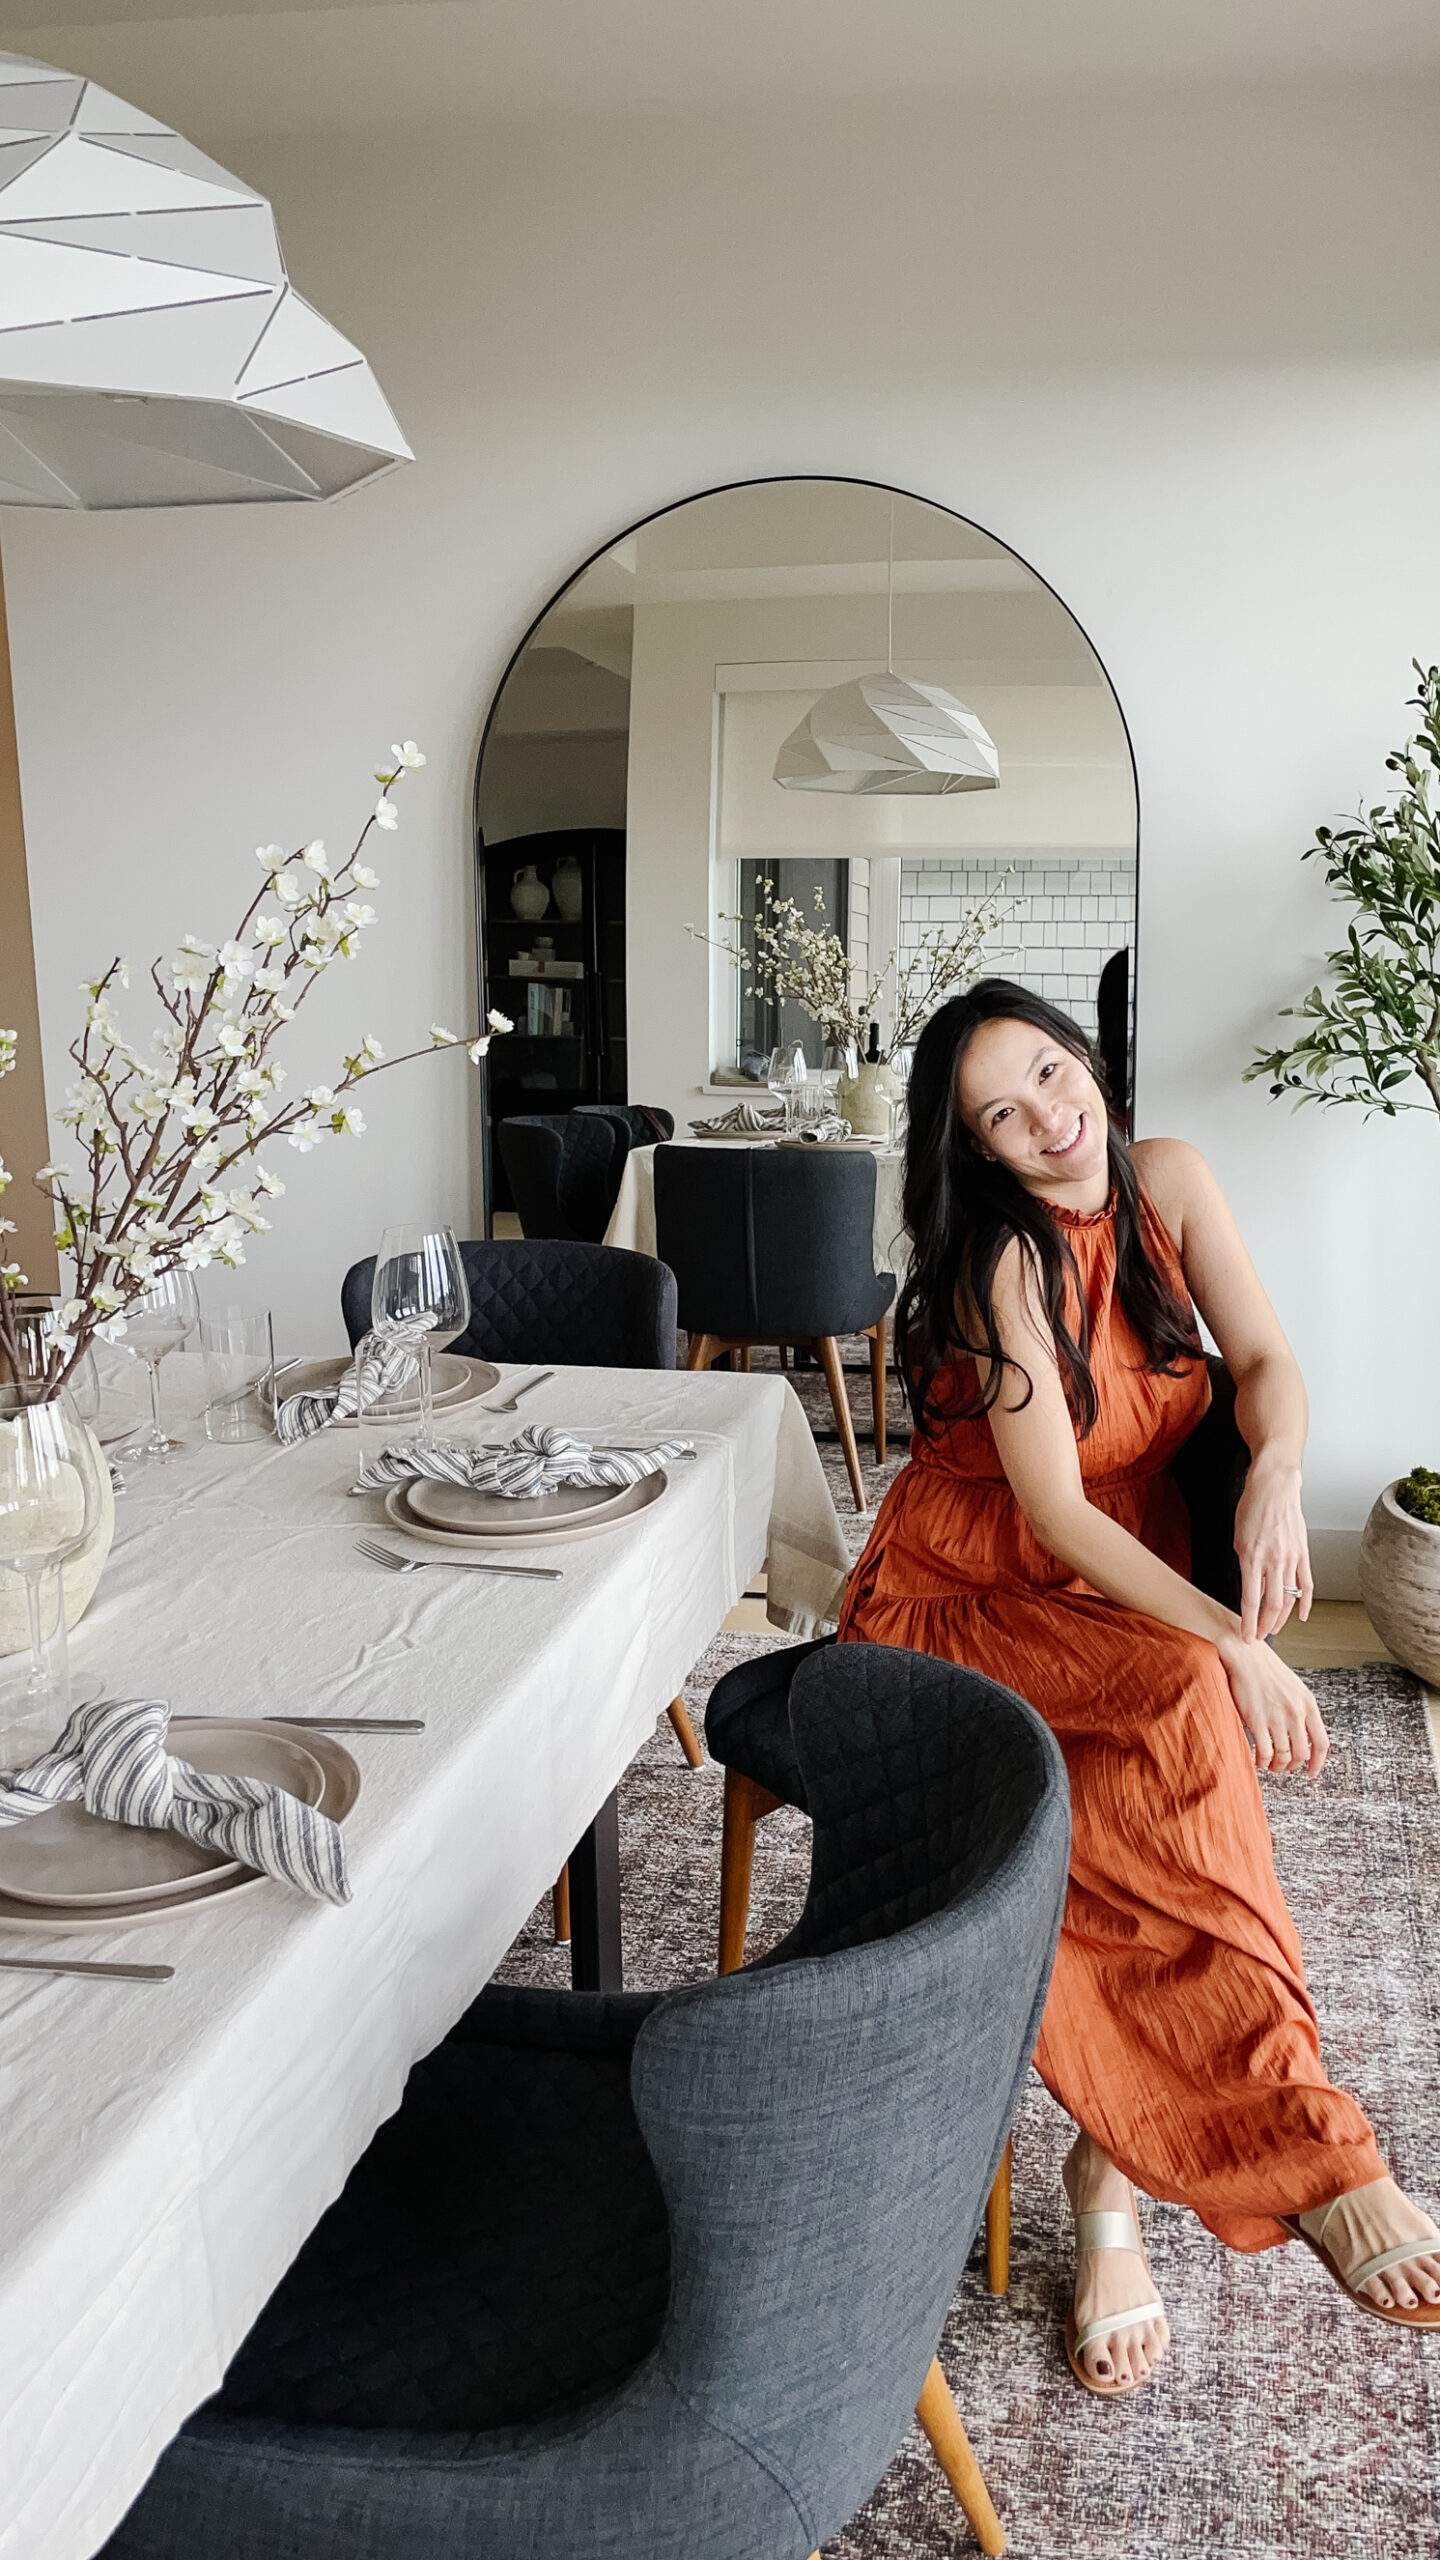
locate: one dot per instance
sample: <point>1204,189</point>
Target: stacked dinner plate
<point>67,1870</point>
<point>451,1515</point>
<point>453,1382</point>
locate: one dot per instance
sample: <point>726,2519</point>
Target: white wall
<point>1179,350</point>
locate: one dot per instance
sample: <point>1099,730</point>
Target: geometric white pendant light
<point>152,349</point>
<point>881,736</point>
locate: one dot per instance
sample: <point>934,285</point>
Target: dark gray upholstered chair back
<point>564,1169</point>
<point>586,1306</point>
<point>769,1244</point>
<point>824,2128</point>
<point>645,1124</point>
<point>1210,1472</point>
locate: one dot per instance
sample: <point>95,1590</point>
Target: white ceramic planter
<point>1400,1585</point>
<point>81,1573</point>
<point>865,1098</point>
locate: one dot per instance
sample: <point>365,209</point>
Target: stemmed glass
<point>49,1505</point>
<point>786,1074</point>
<point>419,1271</point>
<point>155,1325</point>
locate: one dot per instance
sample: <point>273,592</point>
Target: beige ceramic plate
<point>191,1735</point>
<point>453,1381</point>
<point>636,1497</point>
<point>494,1515</point>
<point>74,1857</point>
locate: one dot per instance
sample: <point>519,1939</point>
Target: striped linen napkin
<point>539,1460</point>
<point>111,1757</point>
<point>742,1120</point>
<point>392,1356</point>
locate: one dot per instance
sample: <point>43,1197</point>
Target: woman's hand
<point>1273,1549</point>
<point>1275,1707</point>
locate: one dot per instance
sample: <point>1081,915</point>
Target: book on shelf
<point>548,1012</point>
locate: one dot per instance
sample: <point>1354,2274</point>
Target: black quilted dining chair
<point>564,1169</point>
<point>583,1306</point>
<point>776,1245</point>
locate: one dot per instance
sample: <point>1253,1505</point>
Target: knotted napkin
<point>111,1757</point>
<point>750,1120</point>
<point>540,1460</point>
<point>392,1360</point>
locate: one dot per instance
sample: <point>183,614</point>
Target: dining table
<point>166,2146</point>
<point>632,1220</point>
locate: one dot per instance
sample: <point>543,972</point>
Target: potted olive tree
<point>1372,1036</point>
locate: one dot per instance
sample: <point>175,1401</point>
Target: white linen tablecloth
<point>166,2148</point>
<point>632,1220</point>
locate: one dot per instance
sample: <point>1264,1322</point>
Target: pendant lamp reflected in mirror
<point>153,351</point>
<point>884,735</point>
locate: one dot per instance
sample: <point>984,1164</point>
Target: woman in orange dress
<point>1048,1341</point>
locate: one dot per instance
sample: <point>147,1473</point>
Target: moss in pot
<point>1400,1571</point>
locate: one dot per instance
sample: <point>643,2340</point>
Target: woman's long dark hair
<point>962,1210</point>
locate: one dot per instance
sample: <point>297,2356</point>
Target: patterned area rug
<point>1282,2423</point>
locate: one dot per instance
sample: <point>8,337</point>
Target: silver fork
<point>372,1548</point>
<point>509,1405</point>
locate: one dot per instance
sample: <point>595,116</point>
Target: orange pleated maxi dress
<point>1178,2033</point>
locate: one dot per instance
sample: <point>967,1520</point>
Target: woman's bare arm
<point>1035,1437</point>
<point>1270,1402</point>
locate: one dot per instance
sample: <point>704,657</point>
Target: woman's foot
<point>1110,2282</point>
<point>1367,2222</point>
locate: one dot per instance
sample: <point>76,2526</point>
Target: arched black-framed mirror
<point>626,788</point>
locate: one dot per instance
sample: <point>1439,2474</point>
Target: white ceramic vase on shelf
<point>1400,1585</point>
<point>567,887</point>
<point>864,1099</point>
<point>529,897</point>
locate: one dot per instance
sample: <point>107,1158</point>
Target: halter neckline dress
<point>1179,2032</point>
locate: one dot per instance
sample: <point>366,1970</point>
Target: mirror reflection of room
<point>633,749</point>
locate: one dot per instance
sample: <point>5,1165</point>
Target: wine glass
<point>786,1072</point>
<point>419,1271</point>
<point>154,1326</point>
<point>49,1505</point>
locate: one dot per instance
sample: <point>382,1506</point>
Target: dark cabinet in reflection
<point>559,976</point>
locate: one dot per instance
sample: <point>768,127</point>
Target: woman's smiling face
<point>1030,1102</point>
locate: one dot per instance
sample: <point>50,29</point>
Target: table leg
<point>595,1957</point>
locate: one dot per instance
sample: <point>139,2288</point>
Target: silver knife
<point>355,1724</point>
<point>111,1972</point>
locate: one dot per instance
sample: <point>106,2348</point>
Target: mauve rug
<point>1282,2424</point>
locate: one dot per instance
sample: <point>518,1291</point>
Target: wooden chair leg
<point>745,1358</point>
<point>701,1351</point>
<point>560,1906</point>
<point>877,1387</point>
<point>997,2227</point>
<point>745,1805</point>
<point>685,1733</point>
<point>829,1351</point>
<point>950,2445</point>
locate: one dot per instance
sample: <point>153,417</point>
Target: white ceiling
<point>278,67</point>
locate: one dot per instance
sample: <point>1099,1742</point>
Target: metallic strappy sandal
<point>1311,2227</point>
<point>1108,2231</point>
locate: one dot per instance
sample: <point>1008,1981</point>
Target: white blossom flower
<point>207,1155</point>
<point>201,950</point>
<point>319,1096</point>
<point>242,1206</point>
<point>55,1177</point>
<point>232,1039</point>
<point>347,1122</point>
<point>234,961</point>
<point>499,1021</point>
<point>356,913</point>
<point>269,1182</point>
<point>408,755</point>
<point>476,1049</point>
<point>273,857</point>
<point>363,877</point>
<point>306,1135</point>
<point>370,1048</point>
<point>147,1103</point>
<point>316,859</point>
<point>108,1300</point>
<point>442,1038</point>
<point>291,892</point>
<point>12,1275</point>
<point>195,1253</point>
<point>283,1012</point>
<point>270,981</point>
<point>112,1330</point>
<point>189,974</point>
<point>271,930</point>
<point>385,815</point>
<point>198,1117</point>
